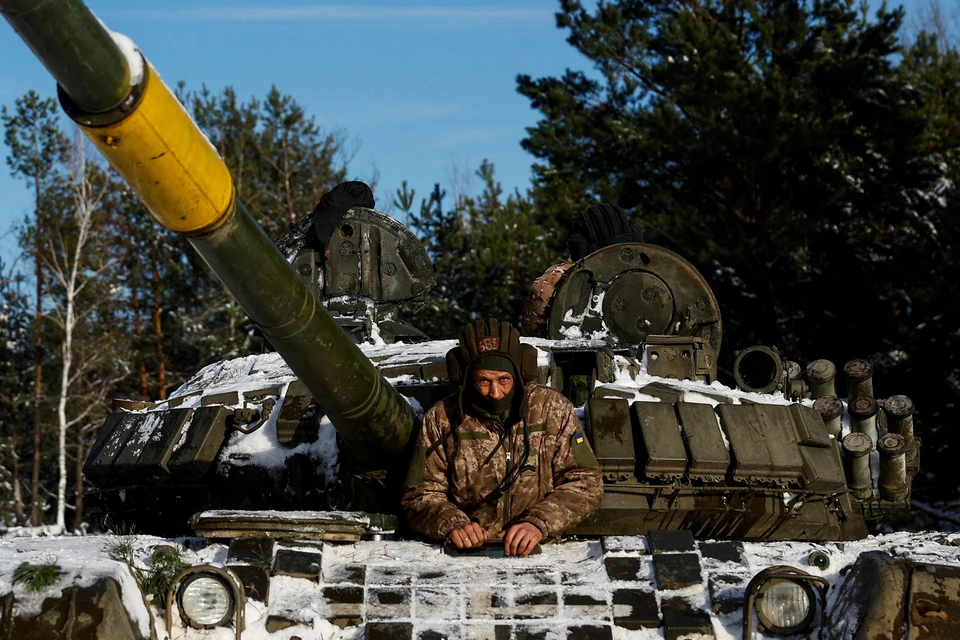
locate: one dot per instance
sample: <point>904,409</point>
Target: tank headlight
<point>785,606</point>
<point>206,600</point>
<point>785,599</point>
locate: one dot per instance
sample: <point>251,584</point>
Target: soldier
<point>503,457</point>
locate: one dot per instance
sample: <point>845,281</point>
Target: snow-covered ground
<point>447,594</point>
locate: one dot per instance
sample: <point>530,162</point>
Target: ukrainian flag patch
<point>582,452</point>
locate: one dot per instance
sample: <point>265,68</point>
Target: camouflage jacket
<point>453,480</point>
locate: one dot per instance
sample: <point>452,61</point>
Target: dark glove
<point>335,203</point>
<point>600,226</point>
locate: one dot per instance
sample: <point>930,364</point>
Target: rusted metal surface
<point>830,409</point>
<point>821,375</point>
<point>899,412</point>
<point>857,447</point>
<point>934,602</point>
<point>859,375</point>
<point>627,292</point>
<point>871,605</point>
<point>758,369</point>
<point>863,416</point>
<point>893,467</point>
<point>680,357</point>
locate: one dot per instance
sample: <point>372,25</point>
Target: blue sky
<point>426,90</point>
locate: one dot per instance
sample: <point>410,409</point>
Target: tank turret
<point>362,265</point>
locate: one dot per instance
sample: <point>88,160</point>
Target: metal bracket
<point>680,357</point>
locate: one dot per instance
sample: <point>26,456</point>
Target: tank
<point>305,442</point>
<point>630,333</point>
<point>755,466</point>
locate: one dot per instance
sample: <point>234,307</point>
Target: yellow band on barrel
<point>168,162</point>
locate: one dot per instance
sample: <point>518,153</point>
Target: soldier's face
<point>492,384</point>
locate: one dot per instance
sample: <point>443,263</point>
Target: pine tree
<point>280,159</point>
<point>486,252</point>
<point>16,362</point>
<point>772,143</point>
<point>404,199</point>
<point>931,330</point>
<point>441,231</point>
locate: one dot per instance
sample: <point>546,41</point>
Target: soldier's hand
<point>468,535</point>
<point>520,539</point>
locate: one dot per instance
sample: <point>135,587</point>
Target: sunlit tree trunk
<point>35,514</point>
<point>68,275</point>
<point>158,323</point>
<point>138,327</point>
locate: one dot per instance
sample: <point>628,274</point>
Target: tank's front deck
<point>661,585</point>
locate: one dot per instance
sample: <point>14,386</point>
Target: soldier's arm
<point>578,483</point>
<point>425,501</point>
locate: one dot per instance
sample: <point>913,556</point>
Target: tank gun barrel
<point>136,122</point>
<point>75,48</point>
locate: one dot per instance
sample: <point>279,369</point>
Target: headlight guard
<point>220,577</point>
<point>786,601</point>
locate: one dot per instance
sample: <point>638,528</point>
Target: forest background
<point>803,154</point>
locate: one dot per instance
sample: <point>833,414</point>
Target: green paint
<point>76,49</point>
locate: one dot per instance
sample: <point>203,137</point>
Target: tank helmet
<point>491,344</point>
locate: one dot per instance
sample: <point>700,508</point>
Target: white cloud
<point>405,112</point>
<point>437,15</point>
<point>457,137</point>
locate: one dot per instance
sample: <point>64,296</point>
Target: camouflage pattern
<point>453,475</point>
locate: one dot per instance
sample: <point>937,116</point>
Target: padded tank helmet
<point>491,337</point>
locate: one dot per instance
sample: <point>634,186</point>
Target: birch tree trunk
<point>35,515</point>
<point>68,275</point>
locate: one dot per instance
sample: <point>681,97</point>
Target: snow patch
<point>132,55</point>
